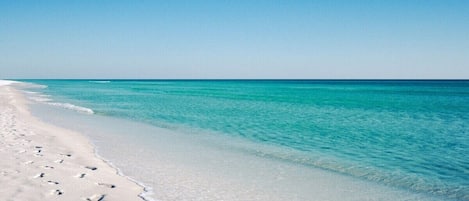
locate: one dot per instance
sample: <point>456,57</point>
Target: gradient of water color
<point>411,135</point>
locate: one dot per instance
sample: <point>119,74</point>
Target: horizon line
<point>243,79</point>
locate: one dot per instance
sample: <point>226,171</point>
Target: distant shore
<point>44,162</point>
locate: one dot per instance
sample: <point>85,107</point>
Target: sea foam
<point>72,107</point>
<point>43,98</point>
<point>7,82</point>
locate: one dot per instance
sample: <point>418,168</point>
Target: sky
<point>272,39</point>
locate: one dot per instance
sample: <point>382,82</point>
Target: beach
<point>234,100</point>
<point>44,162</point>
<point>233,140</point>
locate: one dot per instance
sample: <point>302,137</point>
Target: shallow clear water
<point>409,136</point>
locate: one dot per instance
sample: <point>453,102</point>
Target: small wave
<point>44,98</point>
<point>34,86</point>
<point>72,107</point>
<point>7,82</point>
<point>30,92</point>
<point>40,99</point>
<point>37,96</point>
<point>100,81</point>
<point>34,93</point>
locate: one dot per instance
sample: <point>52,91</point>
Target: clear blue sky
<point>234,39</point>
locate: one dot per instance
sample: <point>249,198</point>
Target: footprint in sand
<point>41,175</point>
<point>53,182</point>
<point>38,149</point>
<point>91,168</point>
<point>107,185</point>
<point>57,192</point>
<point>96,198</point>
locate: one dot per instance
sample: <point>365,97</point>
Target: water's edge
<point>147,191</point>
<point>98,147</point>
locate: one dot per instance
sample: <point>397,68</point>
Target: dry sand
<point>40,161</point>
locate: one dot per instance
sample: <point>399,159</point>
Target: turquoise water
<point>412,135</point>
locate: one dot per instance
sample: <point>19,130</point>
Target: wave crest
<point>43,98</point>
<point>40,99</point>
<point>72,107</point>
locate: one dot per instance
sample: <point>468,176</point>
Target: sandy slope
<point>39,161</point>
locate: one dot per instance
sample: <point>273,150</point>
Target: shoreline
<point>178,166</point>
<point>146,191</point>
<point>46,162</point>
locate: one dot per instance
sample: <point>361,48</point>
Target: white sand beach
<point>44,162</point>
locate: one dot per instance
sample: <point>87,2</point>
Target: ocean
<point>273,139</point>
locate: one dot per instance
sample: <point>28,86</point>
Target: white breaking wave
<point>72,107</point>
<point>7,82</point>
<point>37,96</point>
<point>34,86</point>
<point>40,99</point>
<point>31,92</point>
<point>43,98</point>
